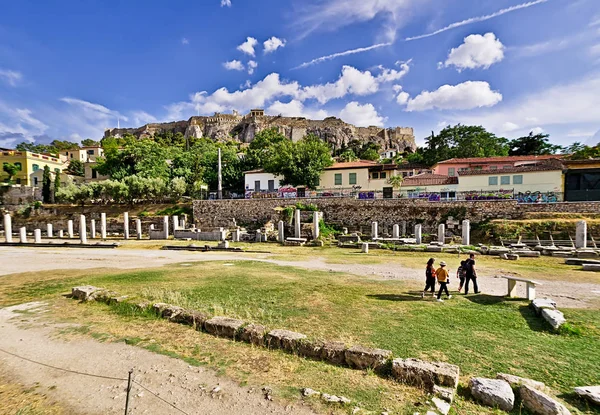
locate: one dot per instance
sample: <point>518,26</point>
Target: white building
<point>83,154</point>
<point>259,181</point>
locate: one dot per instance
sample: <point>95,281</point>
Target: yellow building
<point>28,163</point>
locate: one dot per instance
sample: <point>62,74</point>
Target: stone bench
<point>512,283</point>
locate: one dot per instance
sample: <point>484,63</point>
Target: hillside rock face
<point>244,127</point>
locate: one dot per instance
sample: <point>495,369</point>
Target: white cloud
<point>476,52</point>
<point>94,111</point>
<point>234,65</point>
<point>478,19</point>
<point>537,130</point>
<point>509,126</point>
<point>12,78</point>
<point>468,95</point>
<point>576,104</point>
<point>18,124</point>
<point>402,98</point>
<point>139,118</point>
<point>225,3</point>
<point>248,46</point>
<point>340,54</point>
<point>361,115</point>
<point>185,41</point>
<point>351,81</point>
<point>252,65</point>
<point>271,45</point>
<point>295,108</point>
<point>392,75</point>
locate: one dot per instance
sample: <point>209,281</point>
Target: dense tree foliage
<point>531,144</point>
<point>578,151</point>
<point>76,168</point>
<point>46,185</point>
<point>11,169</point>
<point>55,147</point>
<point>88,142</point>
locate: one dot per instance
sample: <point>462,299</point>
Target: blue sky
<point>70,69</point>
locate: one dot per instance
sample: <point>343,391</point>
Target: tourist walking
<point>461,274</point>
<point>471,274</point>
<point>429,278</point>
<point>443,279</point>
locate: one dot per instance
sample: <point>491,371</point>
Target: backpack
<point>462,272</point>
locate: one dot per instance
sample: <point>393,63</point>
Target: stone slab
<point>334,352</point>
<point>284,340</point>
<point>517,381</point>
<point>191,318</point>
<point>361,357</point>
<point>580,261</point>
<point>253,334</point>
<point>223,326</point>
<point>591,267</point>
<point>496,393</point>
<point>540,403</point>
<point>554,317</point>
<point>83,292</point>
<point>425,374</point>
<point>540,304</point>
<point>591,393</point>
<point>526,254</point>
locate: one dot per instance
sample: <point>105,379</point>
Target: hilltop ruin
<point>244,127</point>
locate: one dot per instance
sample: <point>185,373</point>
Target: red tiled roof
<point>359,164</point>
<point>507,159</point>
<point>429,179</point>
<point>547,165</point>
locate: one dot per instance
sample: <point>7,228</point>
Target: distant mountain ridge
<point>244,127</point>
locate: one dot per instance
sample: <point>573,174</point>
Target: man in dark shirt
<point>471,274</point>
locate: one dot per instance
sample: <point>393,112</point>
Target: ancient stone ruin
<point>244,127</point>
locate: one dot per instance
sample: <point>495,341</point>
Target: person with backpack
<point>471,274</point>
<point>443,277</point>
<point>461,274</point>
<point>429,278</point>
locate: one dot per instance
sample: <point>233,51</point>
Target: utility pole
<point>220,178</point>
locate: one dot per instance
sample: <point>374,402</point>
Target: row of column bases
<point>83,234</point>
<point>396,232</point>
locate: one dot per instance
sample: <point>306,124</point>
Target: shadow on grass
<point>486,299</point>
<point>578,402</point>
<point>535,322</point>
<point>410,296</point>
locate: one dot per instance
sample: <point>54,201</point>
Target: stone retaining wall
<point>356,213</point>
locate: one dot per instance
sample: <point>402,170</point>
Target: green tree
<point>11,169</point>
<point>582,152</point>
<point>396,181</point>
<point>463,141</point>
<point>178,186</point>
<point>88,142</point>
<point>348,155</point>
<point>46,185</point>
<point>261,148</point>
<point>76,168</point>
<point>532,145</point>
<point>300,163</point>
<point>56,186</point>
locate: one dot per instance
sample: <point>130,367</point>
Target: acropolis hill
<point>244,127</point>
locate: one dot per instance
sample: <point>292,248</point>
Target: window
<point>375,175</point>
<point>18,181</point>
<point>507,167</point>
<point>71,155</point>
<point>94,174</point>
<point>19,166</point>
<point>35,181</point>
<point>90,152</point>
<point>477,168</point>
<point>382,175</point>
<point>257,185</point>
<point>352,178</point>
<point>36,167</point>
<point>338,179</point>
<point>451,171</point>
<point>493,167</point>
<point>463,169</point>
<point>504,180</point>
<point>518,179</point>
<point>271,185</point>
<point>493,181</point>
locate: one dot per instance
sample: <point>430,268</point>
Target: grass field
<point>482,334</point>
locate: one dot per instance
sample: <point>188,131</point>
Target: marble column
<point>103,225</point>
<point>418,235</point>
<point>126,225</point>
<point>70,229</point>
<point>49,230</point>
<point>82,230</point>
<point>8,228</point>
<point>466,232</point>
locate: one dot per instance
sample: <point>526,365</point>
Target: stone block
<point>253,334</point>
<point>165,310</point>
<point>540,403</point>
<point>361,357</point>
<point>540,304</point>
<point>83,292</point>
<point>591,393</point>
<point>334,352</point>
<point>526,253</point>
<point>433,248</point>
<point>284,340</point>
<point>554,317</point>
<point>191,318</point>
<point>445,394</point>
<point>118,299</point>
<point>425,374</point>
<point>493,392</point>
<point>517,381</point>
<point>587,254</point>
<point>591,267</point>
<point>441,406</point>
<point>313,349</point>
<point>223,326</point>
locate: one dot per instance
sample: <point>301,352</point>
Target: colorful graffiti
<point>536,197</point>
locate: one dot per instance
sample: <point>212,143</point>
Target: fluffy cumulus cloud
<point>477,51</point>
<point>361,115</point>
<point>295,108</point>
<point>571,105</point>
<point>248,46</point>
<point>18,124</point>
<point>351,81</point>
<point>465,96</point>
<point>272,44</point>
<point>252,65</point>
<point>225,3</point>
<point>402,97</point>
<point>392,75</point>
<point>234,65</point>
<point>141,118</point>
<point>10,77</point>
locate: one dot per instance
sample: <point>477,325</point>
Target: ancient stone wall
<point>14,197</point>
<point>355,213</point>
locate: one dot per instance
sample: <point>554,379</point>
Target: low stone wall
<point>17,196</point>
<point>387,212</point>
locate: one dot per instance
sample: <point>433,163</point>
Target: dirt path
<point>192,389</point>
<point>16,260</point>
